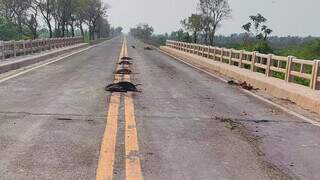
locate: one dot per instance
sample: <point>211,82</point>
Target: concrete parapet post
<point>230,56</point>
<point>3,56</point>
<point>221,55</point>
<point>315,73</point>
<point>14,48</point>
<point>288,69</point>
<point>214,53</point>
<point>240,59</point>
<point>253,61</point>
<point>24,47</point>
<point>193,48</point>
<point>31,46</point>
<point>268,64</point>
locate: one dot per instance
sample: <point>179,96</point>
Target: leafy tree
<point>257,27</point>
<point>16,11</point>
<point>193,24</point>
<point>213,13</point>
<point>8,30</point>
<point>142,31</point>
<point>46,10</point>
<point>93,12</point>
<point>180,35</point>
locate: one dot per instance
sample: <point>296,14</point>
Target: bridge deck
<point>189,125</point>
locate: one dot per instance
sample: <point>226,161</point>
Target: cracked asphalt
<point>189,124</point>
<point>52,119</point>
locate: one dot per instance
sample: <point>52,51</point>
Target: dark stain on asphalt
<point>272,171</point>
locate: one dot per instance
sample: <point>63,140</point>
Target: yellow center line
<point>133,165</point>
<point>108,145</point>
<point>107,153</point>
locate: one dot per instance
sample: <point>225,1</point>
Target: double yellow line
<point>105,170</point>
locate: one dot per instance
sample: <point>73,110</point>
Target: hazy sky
<point>286,17</point>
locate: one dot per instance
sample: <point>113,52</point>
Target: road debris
<point>148,48</point>
<point>123,71</point>
<point>64,119</point>
<point>231,82</point>
<point>123,86</point>
<point>246,86</point>
<point>125,62</point>
<point>133,47</point>
<point>126,58</point>
<point>243,85</point>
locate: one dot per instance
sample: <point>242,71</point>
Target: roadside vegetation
<point>31,19</point>
<point>202,28</point>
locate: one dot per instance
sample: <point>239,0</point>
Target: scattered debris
<point>244,113</point>
<point>64,119</point>
<point>148,48</point>
<point>243,85</point>
<point>231,82</point>
<point>232,125</point>
<point>246,86</point>
<point>123,71</point>
<point>261,121</point>
<point>123,86</point>
<point>133,47</point>
<point>125,62</point>
<point>126,58</point>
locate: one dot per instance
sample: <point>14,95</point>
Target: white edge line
<point>50,62</point>
<point>311,121</point>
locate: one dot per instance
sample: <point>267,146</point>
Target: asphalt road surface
<point>187,124</point>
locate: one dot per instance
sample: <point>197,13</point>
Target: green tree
<point>142,31</point>
<point>8,30</point>
<point>213,12</point>
<point>194,25</point>
<point>259,30</point>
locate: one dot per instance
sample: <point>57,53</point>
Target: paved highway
<point>57,122</point>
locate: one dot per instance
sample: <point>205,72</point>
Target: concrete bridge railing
<point>10,49</point>
<point>289,69</point>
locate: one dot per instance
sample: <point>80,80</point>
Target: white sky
<point>286,17</point>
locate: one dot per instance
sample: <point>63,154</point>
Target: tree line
<point>21,19</point>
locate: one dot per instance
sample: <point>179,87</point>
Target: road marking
<point>105,168</point>
<point>45,64</point>
<point>311,121</point>
<point>133,165</point>
<point>108,146</point>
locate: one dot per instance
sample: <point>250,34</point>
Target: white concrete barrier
<point>288,69</point>
<point>11,49</point>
